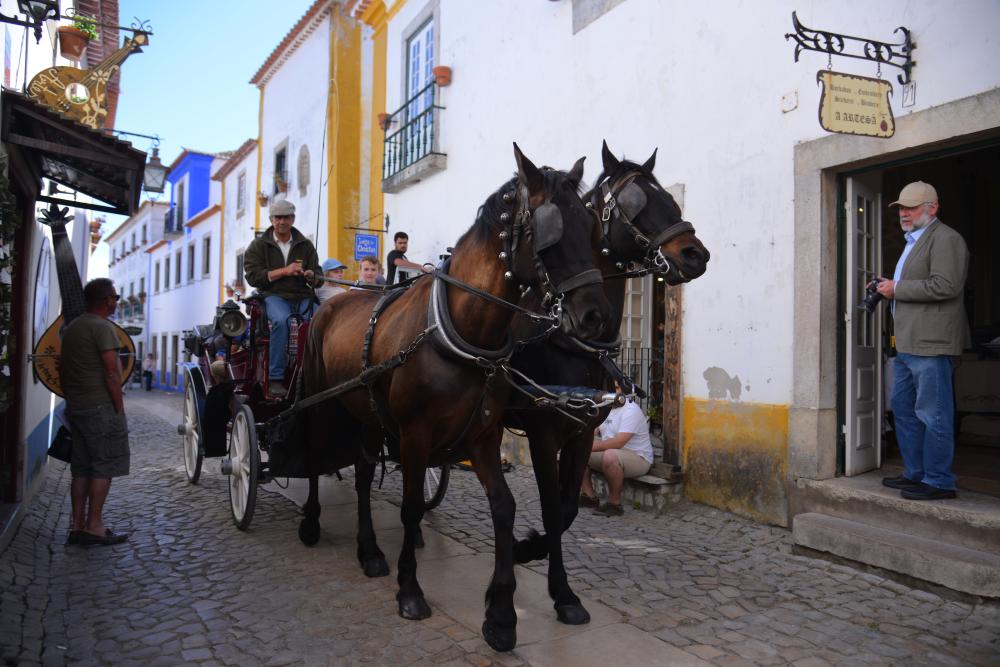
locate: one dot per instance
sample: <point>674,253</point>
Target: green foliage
<point>86,25</point>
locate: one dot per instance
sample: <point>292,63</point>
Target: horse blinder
<point>548,227</point>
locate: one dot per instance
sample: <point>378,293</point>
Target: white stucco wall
<point>239,230</point>
<point>705,86</point>
<point>294,114</point>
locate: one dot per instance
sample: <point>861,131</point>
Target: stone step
<point>960,568</point>
<point>972,520</point>
<point>647,492</point>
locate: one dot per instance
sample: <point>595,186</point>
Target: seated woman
<point>623,450</point>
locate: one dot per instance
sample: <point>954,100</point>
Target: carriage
<point>231,413</point>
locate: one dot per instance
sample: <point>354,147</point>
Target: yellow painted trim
<point>222,246</point>
<point>343,135</point>
<point>376,148</point>
<point>395,9</point>
<point>260,153</point>
<point>374,15</point>
<point>735,457</point>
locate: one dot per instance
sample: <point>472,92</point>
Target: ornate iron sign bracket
<point>834,44</point>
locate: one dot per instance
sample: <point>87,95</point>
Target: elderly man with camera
<point>931,328</point>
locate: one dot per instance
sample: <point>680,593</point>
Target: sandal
<point>589,501</point>
<point>87,539</point>
<point>609,509</point>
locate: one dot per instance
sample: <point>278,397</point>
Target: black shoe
<point>276,388</point>
<point>928,492</point>
<point>900,482</point>
<point>589,501</point>
<point>87,539</point>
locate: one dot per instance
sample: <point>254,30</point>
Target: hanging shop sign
<point>853,104</point>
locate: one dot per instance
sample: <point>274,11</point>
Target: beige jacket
<point>930,317</point>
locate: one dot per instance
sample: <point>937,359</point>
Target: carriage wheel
<point>245,459</point>
<point>190,428</point>
<point>435,485</point>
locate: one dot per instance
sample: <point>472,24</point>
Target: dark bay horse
<point>445,402</point>
<point>643,226</point>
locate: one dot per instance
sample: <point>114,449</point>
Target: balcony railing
<point>171,225</point>
<point>410,132</point>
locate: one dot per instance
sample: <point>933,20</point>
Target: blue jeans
<point>924,409</point>
<point>278,310</point>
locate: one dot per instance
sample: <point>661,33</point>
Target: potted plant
<point>73,39</point>
<point>442,75</point>
<point>384,120</point>
<point>262,199</point>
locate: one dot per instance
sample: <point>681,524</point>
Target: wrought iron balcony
<point>172,227</point>
<point>411,134</point>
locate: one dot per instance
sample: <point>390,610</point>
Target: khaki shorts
<point>100,443</point>
<point>633,464</point>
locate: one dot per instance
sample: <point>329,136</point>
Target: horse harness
<point>622,202</point>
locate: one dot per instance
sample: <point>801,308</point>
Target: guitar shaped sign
<point>48,351</point>
<point>81,94</point>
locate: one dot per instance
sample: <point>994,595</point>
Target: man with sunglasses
<point>92,383</point>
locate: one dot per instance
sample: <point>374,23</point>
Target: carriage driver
<point>280,263</point>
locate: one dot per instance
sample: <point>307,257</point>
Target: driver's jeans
<point>278,311</point>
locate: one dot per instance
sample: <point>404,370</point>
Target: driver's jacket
<point>264,255</point>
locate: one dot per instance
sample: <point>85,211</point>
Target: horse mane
<point>488,216</point>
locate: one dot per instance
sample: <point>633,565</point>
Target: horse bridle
<point>622,202</point>
<point>546,231</point>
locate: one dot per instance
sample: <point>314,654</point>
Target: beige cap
<point>915,194</point>
<point>282,207</point>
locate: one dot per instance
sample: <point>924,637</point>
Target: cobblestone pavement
<point>188,588</point>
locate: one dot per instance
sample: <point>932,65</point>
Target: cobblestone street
<point>189,588</point>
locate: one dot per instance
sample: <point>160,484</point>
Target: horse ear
<point>609,159</point>
<point>575,174</point>
<point>651,162</point>
<point>528,174</point>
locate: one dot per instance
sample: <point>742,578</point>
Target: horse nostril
<point>695,254</point>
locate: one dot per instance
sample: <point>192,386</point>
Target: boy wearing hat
<point>281,264</point>
<point>926,293</point>
<point>332,268</point>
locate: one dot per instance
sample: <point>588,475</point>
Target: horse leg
<point>535,546</point>
<point>555,485</point>
<point>309,526</point>
<point>500,625</point>
<point>369,555</point>
<point>410,597</point>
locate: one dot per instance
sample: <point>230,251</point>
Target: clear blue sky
<point>191,84</point>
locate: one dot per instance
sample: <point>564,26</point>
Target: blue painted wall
<point>199,167</point>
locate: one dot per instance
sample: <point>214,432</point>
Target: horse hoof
<point>375,567</point>
<point>414,608</point>
<point>573,614</point>
<point>309,532</point>
<point>499,639</point>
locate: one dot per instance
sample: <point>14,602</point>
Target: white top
<point>629,419</point>
<point>285,246</point>
<point>328,290</point>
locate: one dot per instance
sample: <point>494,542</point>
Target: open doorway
<point>968,185</point>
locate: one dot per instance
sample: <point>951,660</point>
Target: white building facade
<point>763,368</point>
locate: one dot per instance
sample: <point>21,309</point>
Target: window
<point>156,277</point>
<point>131,289</point>
<point>281,170</point>
<point>114,255</point>
<point>241,193</point>
<point>123,247</point>
<point>206,255</point>
<point>142,285</point>
<point>177,268</point>
<point>302,170</point>
<point>190,273</point>
<point>239,268</point>
<point>166,273</point>
<point>134,245</point>
<point>144,234</point>
<point>179,204</point>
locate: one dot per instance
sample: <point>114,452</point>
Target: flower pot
<point>384,121</point>
<point>262,199</point>
<point>72,42</point>
<point>442,75</point>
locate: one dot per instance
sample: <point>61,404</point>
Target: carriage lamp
<point>155,173</point>
<point>37,13</point>
<point>229,320</point>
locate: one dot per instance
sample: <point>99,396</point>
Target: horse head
<point>550,247</point>
<point>651,230</point>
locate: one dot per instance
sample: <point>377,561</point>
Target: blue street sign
<point>365,245</point>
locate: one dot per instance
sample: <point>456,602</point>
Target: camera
<point>872,297</point>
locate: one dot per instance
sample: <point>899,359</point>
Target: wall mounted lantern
<point>37,13</point>
<point>155,174</point>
